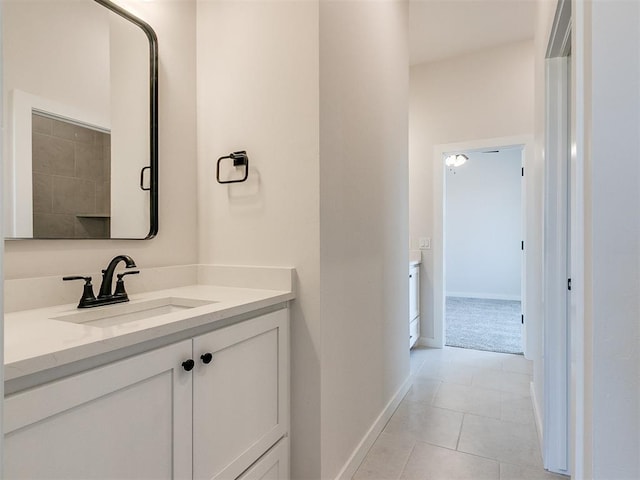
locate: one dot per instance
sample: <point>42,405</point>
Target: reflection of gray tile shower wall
<point>71,180</point>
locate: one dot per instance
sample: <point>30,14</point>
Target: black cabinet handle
<point>188,365</point>
<point>206,358</point>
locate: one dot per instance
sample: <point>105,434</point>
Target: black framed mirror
<point>80,80</point>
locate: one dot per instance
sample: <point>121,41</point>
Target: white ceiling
<point>441,29</point>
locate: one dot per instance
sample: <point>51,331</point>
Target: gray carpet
<point>482,324</point>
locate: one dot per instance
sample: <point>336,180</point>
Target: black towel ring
<point>240,159</point>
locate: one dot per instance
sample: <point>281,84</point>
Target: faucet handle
<point>87,293</point>
<point>77,277</point>
<point>132,272</point>
<point>120,291</point>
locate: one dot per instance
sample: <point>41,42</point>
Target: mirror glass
<point>80,96</point>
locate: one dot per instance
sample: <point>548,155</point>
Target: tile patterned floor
<point>467,416</point>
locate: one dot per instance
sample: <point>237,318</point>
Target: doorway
<point>529,217</point>
<point>483,249</point>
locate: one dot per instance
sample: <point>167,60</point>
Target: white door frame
<point>580,446</point>
<point>2,160</point>
<point>439,151</point>
<point>560,229</point>
<point>556,270</point>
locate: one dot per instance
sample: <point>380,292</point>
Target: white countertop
<point>35,342</point>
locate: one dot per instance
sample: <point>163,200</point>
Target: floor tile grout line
<point>483,388</point>
<point>433,399</point>
<point>406,462</point>
<point>460,431</point>
<point>511,422</point>
<point>471,454</point>
<point>459,411</point>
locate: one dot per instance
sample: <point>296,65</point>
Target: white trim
<point>536,415</point>
<point>560,37</point>
<point>486,296</point>
<point>372,434</point>
<point>2,235</point>
<point>557,217</point>
<point>580,446</point>
<point>428,342</point>
<point>525,141</point>
<point>556,331</point>
<point>72,121</point>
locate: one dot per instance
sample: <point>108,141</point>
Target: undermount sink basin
<point>111,315</point>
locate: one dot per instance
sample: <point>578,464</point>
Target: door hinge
<point>523,171</point>
<point>568,284</point>
<point>522,245</point>
<point>522,319</point>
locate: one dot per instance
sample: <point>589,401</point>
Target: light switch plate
<point>424,243</point>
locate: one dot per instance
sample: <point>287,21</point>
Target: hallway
<point>468,415</point>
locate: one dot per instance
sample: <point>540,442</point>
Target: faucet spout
<point>106,289</point>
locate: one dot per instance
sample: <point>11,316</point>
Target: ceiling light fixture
<point>455,160</point>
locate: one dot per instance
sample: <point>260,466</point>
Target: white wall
<point>488,94</point>
<point>607,79</point>
<point>483,226</point>
<point>363,218</point>
<point>264,70</point>
<point>258,90</point>
<point>174,22</point>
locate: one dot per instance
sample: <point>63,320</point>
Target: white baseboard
<point>349,470</point>
<point>487,296</point>
<point>536,414</point>
<point>428,342</point>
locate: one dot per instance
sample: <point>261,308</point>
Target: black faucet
<point>106,289</point>
<point>106,296</point>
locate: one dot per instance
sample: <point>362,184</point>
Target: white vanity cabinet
<point>414,304</point>
<point>148,416</point>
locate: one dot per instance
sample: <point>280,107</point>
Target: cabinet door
<point>273,466</point>
<point>240,398</point>
<point>127,420</point>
